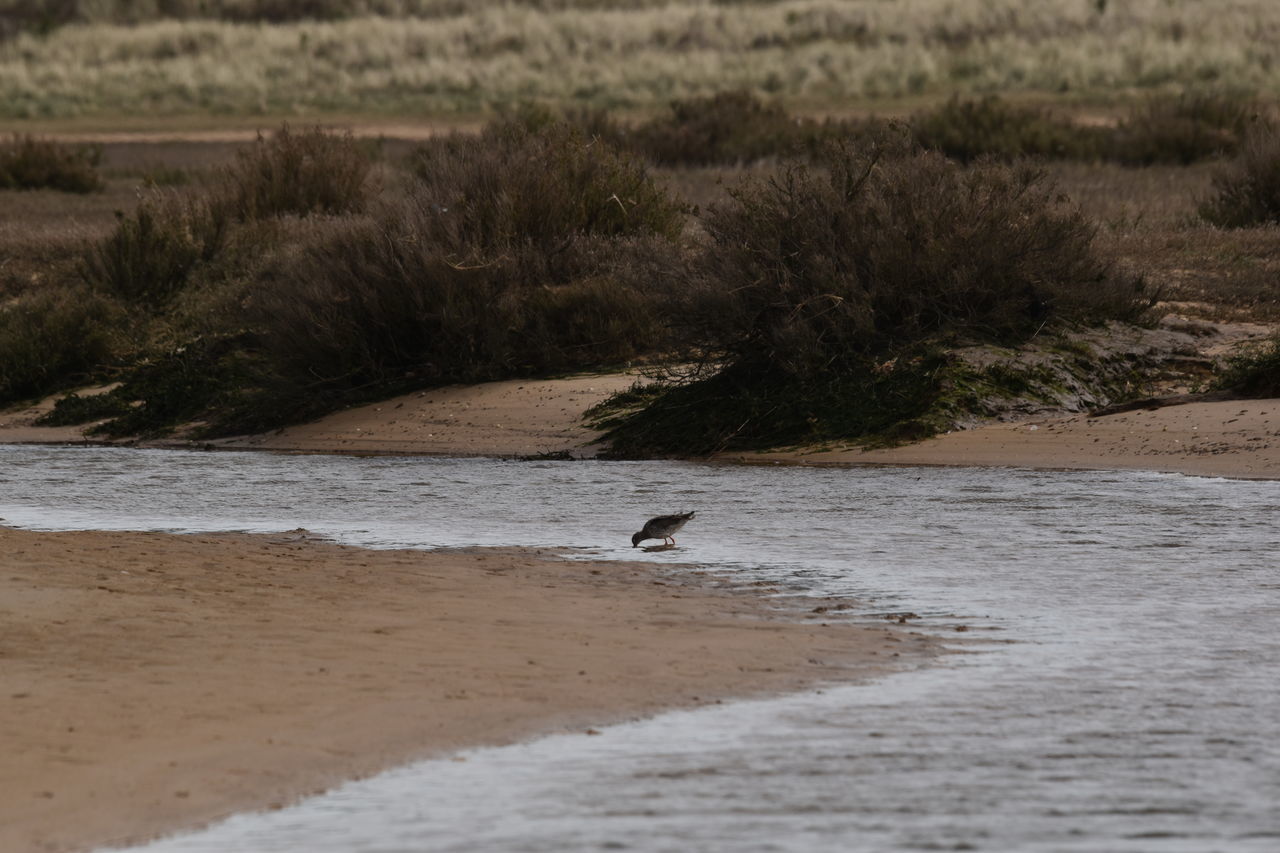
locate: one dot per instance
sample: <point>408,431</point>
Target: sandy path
<point>152,681</point>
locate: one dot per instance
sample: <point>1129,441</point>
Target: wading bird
<point>663,527</point>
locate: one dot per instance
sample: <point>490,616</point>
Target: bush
<point>833,285</point>
<point>1182,129</point>
<point>55,338</point>
<point>518,252</point>
<point>728,128</point>
<point>533,199</point>
<point>151,254</point>
<point>1253,373</point>
<point>1247,192</point>
<point>375,304</point>
<point>27,163</point>
<point>299,173</point>
<point>990,127</point>
<point>865,253</point>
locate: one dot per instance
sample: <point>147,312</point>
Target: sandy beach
<point>154,682</point>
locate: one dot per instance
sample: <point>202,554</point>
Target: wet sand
<point>153,682</point>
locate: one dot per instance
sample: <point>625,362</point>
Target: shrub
<point>176,385</point>
<point>299,173</point>
<point>517,252</point>
<point>1182,129</point>
<point>28,163</point>
<point>533,199</point>
<point>825,292</point>
<point>1254,372</point>
<point>727,128</point>
<point>1247,191</point>
<point>54,338</point>
<point>968,129</point>
<point>152,253</point>
<point>865,253</point>
<point>377,304</point>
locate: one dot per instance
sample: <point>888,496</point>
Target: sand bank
<point>153,682</point>
<point>511,418</point>
<point>1235,438</point>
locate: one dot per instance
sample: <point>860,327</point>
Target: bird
<point>663,527</point>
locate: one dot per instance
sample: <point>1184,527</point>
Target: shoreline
<point>1234,439</point>
<point>158,682</point>
<point>532,419</point>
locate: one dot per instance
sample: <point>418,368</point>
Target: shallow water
<point>1127,696</point>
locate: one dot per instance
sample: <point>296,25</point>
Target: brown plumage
<point>663,527</point>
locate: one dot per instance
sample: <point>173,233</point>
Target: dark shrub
<point>1182,129</point>
<point>1254,372</point>
<point>1247,191</point>
<point>825,291</point>
<point>152,253</point>
<point>176,385</point>
<point>299,173</point>
<point>536,118</point>
<point>968,129</point>
<point>533,197</point>
<point>27,163</point>
<point>51,339</point>
<point>728,128</point>
<point>865,254</point>
<point>377,303</point>
<point>518,252</point>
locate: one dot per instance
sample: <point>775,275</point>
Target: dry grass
<point>635,55</point>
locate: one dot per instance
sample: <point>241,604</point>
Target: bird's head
<point>637,539</point>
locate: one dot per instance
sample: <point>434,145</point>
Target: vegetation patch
<point>153,252</point>
<point>826,294</point>
<point>56,338</point>
<point>967,129</point>
<point>513,253</point>
<point>404,57</point>
<point>1246,192</point>
<point>726,129</point>
<point>1183,128</point>
<point>312,172</point>
<point>29,163</point>
<point>1254,372</point>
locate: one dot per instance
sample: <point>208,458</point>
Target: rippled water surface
<point>1127,695</point>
